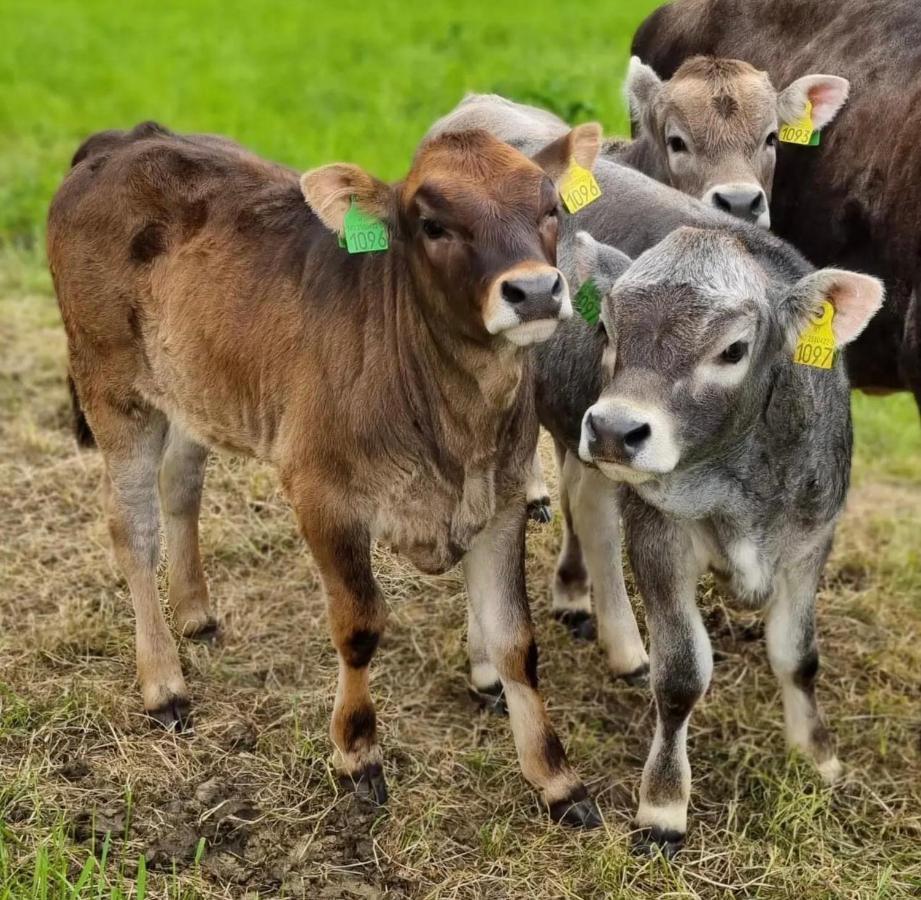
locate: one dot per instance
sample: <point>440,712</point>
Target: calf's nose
<point>745,202</point>
<point>538,295</point>
<point>617,436</point>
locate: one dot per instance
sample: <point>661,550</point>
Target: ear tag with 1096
<point>578,187</point>
<point>817,345</point>
<point>362,232</point>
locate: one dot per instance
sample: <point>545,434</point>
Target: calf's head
<point>479,223</point>
<point>714,126</point>
<point>695,332</point>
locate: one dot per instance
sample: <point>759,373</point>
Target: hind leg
<point>794,657</point>
<point>182,474</point>
<point>131,438</point>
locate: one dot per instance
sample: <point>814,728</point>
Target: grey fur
<point>764,464</point>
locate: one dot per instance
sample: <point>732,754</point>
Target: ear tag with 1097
<point>578,187</point>
<point>817,345</point>
<point>802,131</point>
<point>362,232</point>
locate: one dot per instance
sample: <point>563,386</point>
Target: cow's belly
<point>433,521</point>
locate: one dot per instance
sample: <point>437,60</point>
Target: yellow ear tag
<point>816,346</point>
<point>578,188</point>
<point>800,131</point>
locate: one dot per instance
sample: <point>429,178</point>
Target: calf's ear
<point>590,259</point>
<point>826,93</point>
<point>330,189</point>
<point>582,144</point>
<point>856,298</point>
<point>641,87</point>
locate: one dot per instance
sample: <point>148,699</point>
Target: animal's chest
<point>741,562</point>
<point>432,519</point>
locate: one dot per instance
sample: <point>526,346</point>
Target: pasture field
<point>94,804</point>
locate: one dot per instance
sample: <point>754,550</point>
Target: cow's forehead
<point>695,280</point>
<point>723,103</point>
<point>457,164</point>
<point>715,264</point>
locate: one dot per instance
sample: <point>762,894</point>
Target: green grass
<point>302,83</point>
<point>92,805</point>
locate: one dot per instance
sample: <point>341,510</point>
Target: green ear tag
<point>816,139</point>
<point>587,302</point>
<point>361,232</point>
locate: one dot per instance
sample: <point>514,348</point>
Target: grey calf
<point>738,457</point>
<point>734,458</point>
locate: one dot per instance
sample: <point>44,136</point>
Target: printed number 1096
<point>580,194</point>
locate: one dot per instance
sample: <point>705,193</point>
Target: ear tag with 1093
<point>802,131</point>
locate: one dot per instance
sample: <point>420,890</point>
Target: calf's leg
<point>794,656</point>
<point>681,665</point>
<point>494,570</point>
<point>570,592</point>
<point>537,493</point>
<point>357,615</point>
<point>131,441</point>
<point>485,684</point>
<point>596,517</point>
<point>182,474</point>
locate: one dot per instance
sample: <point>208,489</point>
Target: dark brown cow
<point>206,304</point>
<point>854,201</point>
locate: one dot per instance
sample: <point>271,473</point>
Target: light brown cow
<point>207,304</point>
<point>711,130</point>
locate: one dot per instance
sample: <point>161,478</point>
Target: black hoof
<point>490,699</point>
<point>578,810</point>
<point>638,677</point>
<point>540,510</point>
<point>580,623</point>
<point>209,633</point>
<point>651,841</point>
<point>369,784</point>
<point>174,715</point>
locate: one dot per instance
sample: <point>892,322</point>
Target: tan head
<point>478,221</point>
<point>714,126</point>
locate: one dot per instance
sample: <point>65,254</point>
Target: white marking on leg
<point>596,518</point>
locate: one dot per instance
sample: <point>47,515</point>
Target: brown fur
<point>207,305</point>
<point>856,201</point>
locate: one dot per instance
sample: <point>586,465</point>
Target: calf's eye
<point>734,353</point>
<point>677,144</point>
<point>432,229</point>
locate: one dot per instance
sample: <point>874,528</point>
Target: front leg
<point>681,660</point>
<point>494,569</point>
<point>595,510</point>
<point>357,614</point>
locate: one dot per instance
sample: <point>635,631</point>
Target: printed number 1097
<point>816,355</point>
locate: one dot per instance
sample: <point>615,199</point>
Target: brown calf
<point>206,304</point>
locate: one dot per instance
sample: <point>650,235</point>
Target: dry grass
<point>77,760</point>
